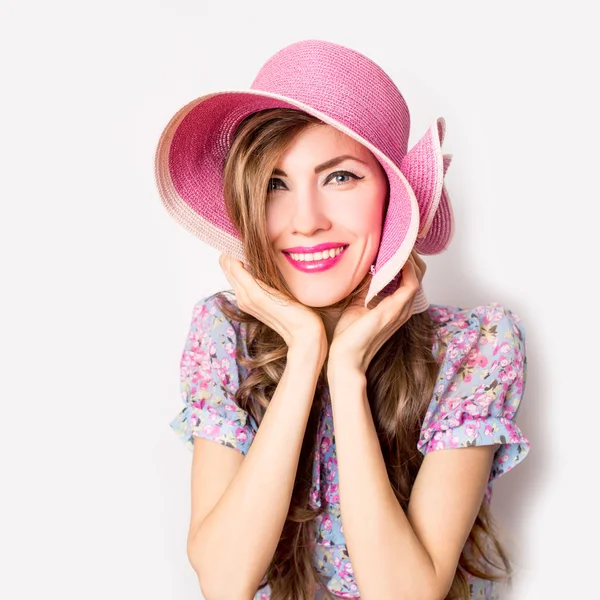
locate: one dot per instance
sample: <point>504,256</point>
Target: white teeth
<point>330,253</point>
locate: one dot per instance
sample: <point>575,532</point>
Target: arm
<point>245,525</point>
<point>396,555</point>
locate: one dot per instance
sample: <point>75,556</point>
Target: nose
<point>309,213</point>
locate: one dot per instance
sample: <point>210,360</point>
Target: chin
<point>317,297</point>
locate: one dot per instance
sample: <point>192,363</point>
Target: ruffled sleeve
<point>209,380</point>
<point>483,369</point>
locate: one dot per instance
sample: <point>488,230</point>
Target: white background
<point>98,282</point>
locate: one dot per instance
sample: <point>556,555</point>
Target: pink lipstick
<point>314,266</point>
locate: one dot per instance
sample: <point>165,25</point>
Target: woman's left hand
<point>360,332</point>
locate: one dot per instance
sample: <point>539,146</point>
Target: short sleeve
<point>209,380</point>
<point>483,369</point>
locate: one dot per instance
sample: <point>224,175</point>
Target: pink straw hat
<point>344,89</point>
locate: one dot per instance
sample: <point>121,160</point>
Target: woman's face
<point>327,188</point>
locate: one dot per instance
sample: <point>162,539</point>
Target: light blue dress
<point>475,401</point>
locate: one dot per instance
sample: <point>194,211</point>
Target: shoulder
<point>210,324</point>
<point>480,385</point>
<point>210,377</point>
<point>491,328</point>
<point>208,311</point>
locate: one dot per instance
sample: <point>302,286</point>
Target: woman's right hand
<point>295,322</point>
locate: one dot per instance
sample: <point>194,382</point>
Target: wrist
<point>341,382</point>
<point>343,371</point>
<point>310,353</point>
<point>342,363</point>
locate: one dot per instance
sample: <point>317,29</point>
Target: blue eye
<point>275,183</point>
<point>342,174</point>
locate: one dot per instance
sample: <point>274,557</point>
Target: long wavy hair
<point>400,378</point>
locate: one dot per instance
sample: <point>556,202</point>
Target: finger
<point>416,267</point>
<point>421,264</point>
<point>410,280</point>
<point>227,263</point>
<point>394,304</point>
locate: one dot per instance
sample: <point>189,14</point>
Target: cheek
<point>367,216</point>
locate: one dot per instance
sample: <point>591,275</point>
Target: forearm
<point>388,559</point>
<point>245,526</point>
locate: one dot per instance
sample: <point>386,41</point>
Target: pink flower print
<point>211,430</point>
<point>504,348</point>
<point>504,458</point>
<point>440,445</point>
<point>482,360</point>
<point>484,401</point>
<point>230,332</point>
<point>470,408</point>
<point>472,336</point>
<point>453,421</point>
<point>332,493</point>
<point>470,431</point>
<point>449,374</point>
<point>487,430</point>
<point>471,356</point>
<point>348,568</point>
<point>483,340</point>
<point>326,523</point>
<point>454,441</point>
<point>468,377</point>
<point>241,435</point>
<point>325,444</point>
<point>230,349</point>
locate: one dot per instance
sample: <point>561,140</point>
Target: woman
<point>327,380</point>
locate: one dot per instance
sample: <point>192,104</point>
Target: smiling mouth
<point>310,256</point>
<point>315,265</point>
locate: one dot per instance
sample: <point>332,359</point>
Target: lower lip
<point>314,266</point>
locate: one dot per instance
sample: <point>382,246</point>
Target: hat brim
<point>189,163</point>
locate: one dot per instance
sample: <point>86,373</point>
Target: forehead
<point>319,142</point>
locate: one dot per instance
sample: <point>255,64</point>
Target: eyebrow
<point>325,165</point>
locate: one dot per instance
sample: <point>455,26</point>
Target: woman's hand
<point>296,323</point>
<point>360,332</point>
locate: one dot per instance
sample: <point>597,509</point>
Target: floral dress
<point>475,401</point>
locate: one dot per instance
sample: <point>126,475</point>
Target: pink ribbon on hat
<point>424,167</point>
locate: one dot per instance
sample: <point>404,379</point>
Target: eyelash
<point>353,175</point>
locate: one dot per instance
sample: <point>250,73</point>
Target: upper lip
<point>317,248</point>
